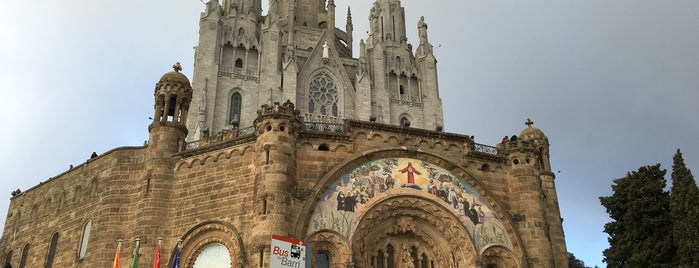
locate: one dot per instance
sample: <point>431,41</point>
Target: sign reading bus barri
<point>287,252</point>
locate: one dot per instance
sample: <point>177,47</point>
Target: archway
<point>408,229</point>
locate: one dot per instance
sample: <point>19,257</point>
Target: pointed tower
<point>295,52</point>
<point>405,88</point>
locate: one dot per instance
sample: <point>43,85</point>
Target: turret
<point>540,143</point>
<point>173,94</point>
<point>276,127</point>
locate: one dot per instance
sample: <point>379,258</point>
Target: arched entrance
<point>408,229</point>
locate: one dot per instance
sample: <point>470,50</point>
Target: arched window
<point>52,251</point>
<point>322,260</point>
<point>323,94</point>
<point>397,62</point>
<point>25,252</point>
<point>213,255</point>
<point>402,90</point>
<point>85,238</point>
<point>234,113</point>
<point>241,32</point>
<point>404,122</point>
<point>238,63</point>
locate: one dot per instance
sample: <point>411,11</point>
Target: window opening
<point>234,114</point>
<point>52,251</point>
<point>25,252</point>
<point>322,260</point>
<point>85,239</point>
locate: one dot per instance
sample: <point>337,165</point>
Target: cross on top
<point>529,122</point>
<point>177,67</point>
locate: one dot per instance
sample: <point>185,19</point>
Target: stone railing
<point>233,72</point>
<point>477,147</point>
<point>406,99</point>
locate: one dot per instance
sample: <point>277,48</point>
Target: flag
<point>156,262</point>
<point>134,263</point>
<point>117,262</point>
<point>176,260</point>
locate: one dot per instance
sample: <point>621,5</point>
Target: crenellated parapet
<point>276,110</point>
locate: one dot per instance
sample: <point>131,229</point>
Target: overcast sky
<point>613,84</point>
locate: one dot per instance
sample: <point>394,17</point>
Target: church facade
<point>283,132</point>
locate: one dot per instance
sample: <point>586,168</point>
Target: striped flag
<point>134,263</point>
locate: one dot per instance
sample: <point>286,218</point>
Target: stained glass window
<point>323,95</point>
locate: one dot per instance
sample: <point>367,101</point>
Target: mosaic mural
<point>340,205</point>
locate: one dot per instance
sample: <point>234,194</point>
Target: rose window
<point>323,96</point>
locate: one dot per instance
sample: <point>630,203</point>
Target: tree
<point>573,262</point>
<point>639,233</point>
<point>684,207</point>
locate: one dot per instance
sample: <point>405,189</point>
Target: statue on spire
<point>422,30</point>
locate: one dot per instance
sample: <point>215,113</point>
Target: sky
<point>613,84</point>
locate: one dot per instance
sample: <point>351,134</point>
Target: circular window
<point>213,256</point>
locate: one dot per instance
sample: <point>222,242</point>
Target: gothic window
<point>234,113</point>
<point>25,252</point>
<point>397,62</point>
<point>241,32</point>
<point>402,90</point>
<point>85,238</point>
<point>322,260</point>
<point>239,63</point>
<point>323,95</point>
<point>52,251</point>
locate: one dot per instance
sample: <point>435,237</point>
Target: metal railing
<point>484,148</point>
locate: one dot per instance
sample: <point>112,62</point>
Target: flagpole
<point>176,259</point>
<point>156,261</point>
<point>117,262</point>
<point>134,262</point>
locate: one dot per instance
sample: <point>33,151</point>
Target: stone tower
<point>295,52</point>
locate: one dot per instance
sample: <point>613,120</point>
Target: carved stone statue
<point>422,30</point>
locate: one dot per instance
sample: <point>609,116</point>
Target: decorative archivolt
<point>197,238</point>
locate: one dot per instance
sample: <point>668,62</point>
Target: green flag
<point>134,263</point>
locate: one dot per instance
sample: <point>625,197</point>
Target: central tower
<point>245,60</point>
